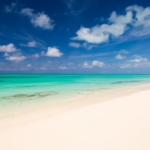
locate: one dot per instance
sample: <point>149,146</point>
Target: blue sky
<point>74,36</point>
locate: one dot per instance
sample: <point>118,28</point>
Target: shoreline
<point>120,123</point>
<point>58,107</point>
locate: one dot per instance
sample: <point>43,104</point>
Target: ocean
<point>20,91</point>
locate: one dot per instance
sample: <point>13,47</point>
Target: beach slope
<point>119,124</point>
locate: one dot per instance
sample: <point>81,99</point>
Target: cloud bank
<point>16,58</point>
<point>136,62</point>
<point>11,52</point>
<point>94,63</point>
<point>134,16</point>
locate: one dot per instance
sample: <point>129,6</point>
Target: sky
<point>75,36</point>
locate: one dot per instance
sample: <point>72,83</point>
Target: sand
<point>121,123</point>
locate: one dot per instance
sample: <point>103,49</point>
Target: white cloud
<point>142,15</point>
<point>29,65</point>
<point>16,58</point>
<point>123,51</point>
<point>8,48</point>
<point>135,65</point>
<point>119,57</point>
<point>90,35</point>
<point>84,45</point>
<point>63,67</point>
<point>32,44</point>
<point>99,34</point>
<point>6,54</point>
<point>94,63</point>
<point>27,12</point>
<point>138,59</point>
<point>97,63</point>
<point>10,8</point>
<point>53,52</point>
<point>136,62</point>
<point>121,19</point>
<point>29,44</point>
<point>73,44</point>
<point>41,19</point>
<point>36,56</point>
<point>138,32</point>
<point>117,25</point>
<point>88,46</point>
<point>86,65</point>
<point>127,65</point>
<point>15,53</point>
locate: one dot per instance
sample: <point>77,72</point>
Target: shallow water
<point>20,91</point>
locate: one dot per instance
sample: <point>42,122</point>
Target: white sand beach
<point>121,123</point>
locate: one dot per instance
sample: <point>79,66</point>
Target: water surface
<point>23,90</point>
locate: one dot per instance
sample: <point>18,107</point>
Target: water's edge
<point>22,92</point>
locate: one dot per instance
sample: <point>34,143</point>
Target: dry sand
<point>119,124</point>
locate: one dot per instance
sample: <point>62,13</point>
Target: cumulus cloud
<point>137,61</point>
<point>142,15</point>
<point>86,65</point>
<point>10,8</point>
<point>53,52</point>
<point>99,34</point>
<point>91,35</point>
<point>11,52</point>
<point>123,51</point>
<point>94,63</point>
<point>97,63</point>
<point>16,57</point>
<point>8,48</point>
<point>119,57</point>
<point>41,19</point>
<point>75,45</point>
<point>121,19</point>
<point>88,46</point>
<point>36,56</point>
<point>134,16</point>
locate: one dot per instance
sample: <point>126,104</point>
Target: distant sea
<point>20,91</point>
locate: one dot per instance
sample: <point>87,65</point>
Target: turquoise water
<point>21,90</point>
